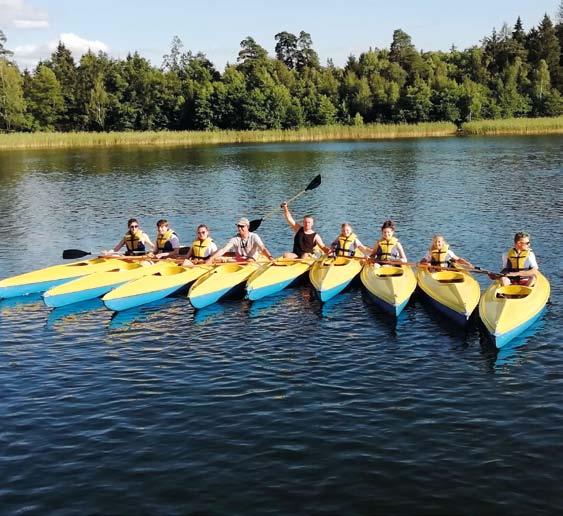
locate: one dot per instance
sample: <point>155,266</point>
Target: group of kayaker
<point>519,263</point>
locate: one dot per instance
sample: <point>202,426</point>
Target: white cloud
<point>19,14</point>
<point>27,56</point>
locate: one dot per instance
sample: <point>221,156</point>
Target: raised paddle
<point>71,254</point>
<point>255,224</point>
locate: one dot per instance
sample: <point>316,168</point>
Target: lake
<point>285,405</point>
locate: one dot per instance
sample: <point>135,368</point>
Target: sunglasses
<point>240,226</point>
<point>133,226</point>
<point>201,232</point>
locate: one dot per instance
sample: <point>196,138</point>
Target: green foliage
<point>12,104</point>
<point>44,98</point>
<point>513,73</point>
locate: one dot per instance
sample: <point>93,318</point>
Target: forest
<point>510,73</point>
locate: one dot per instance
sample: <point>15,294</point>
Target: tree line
<point>511,73</point>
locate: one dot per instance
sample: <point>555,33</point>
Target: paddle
<point>71,254</point>
<point>255,224</point>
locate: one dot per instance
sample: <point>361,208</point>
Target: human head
<point>202,231</point>
<point>308,222</point>
<point>388,229</point>
<point>345,229</point>
<point>162,225</point>
<point>438,242</point>
<point>521,235</point>
<point>522,240</point>
<point>133,225</point>
<point>243,226</point>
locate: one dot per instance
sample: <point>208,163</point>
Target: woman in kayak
<point>441,255</point>
<point>135,240</point>
<point>347,242</point>
<point>202,247</point>
<point>388,248</point>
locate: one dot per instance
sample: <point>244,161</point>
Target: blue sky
<point>216,27</point>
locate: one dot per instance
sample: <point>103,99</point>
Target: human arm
<point>362,247</point>
<point>319,242</point>
<point>120,245</point>
<point>289,218</point>
<point>217,254</point>
<point>402,255</point>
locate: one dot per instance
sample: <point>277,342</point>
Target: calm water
<point>282,406</point>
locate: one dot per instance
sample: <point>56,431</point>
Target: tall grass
<point>508,126</point>
<point>186,138</point>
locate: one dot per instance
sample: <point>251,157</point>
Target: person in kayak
<point>246,245</point>
<point>519,262</point>
<point>347,242</point>
<point>167,242</point>
<point>202,247</point>
<point>440,254</point>
<point>388,247</point>
<point>305,238</point>
<point>135,240</point>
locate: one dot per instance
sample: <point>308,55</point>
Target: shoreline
<point>507,127</point>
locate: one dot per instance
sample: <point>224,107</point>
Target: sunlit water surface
<point>282,405</point>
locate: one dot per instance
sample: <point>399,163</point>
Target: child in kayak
<point>519,263</point>
<point>347,242</point>
<point>441,255</point>
<point>388,248</point>
<point>202,247</point>
<point>135,240</point>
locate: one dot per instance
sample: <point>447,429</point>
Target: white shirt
<point>249,248</point>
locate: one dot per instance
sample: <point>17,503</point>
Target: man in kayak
<point>202,247</point>
<point>167,242</point>
<point>519,263</point>
<point>347,242</point>
<point>135,240</point>
<point>305,238</point>
<point>246,245</point>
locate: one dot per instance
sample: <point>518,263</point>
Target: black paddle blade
<point>70,254</point>
<point>314,183</point>
<point>254,224</point>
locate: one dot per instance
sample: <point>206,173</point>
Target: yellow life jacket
<point>438,256</point>
<point>386,250</point>
<point>516,260</point>
<point>133,242</point>
<point>344,245</point>
<point>163,242</point>
<point>199,247</point>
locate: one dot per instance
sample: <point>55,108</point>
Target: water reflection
<point>125,319</point>
<point>70,314</point>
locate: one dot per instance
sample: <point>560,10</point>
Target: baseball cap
<point>243,222</point>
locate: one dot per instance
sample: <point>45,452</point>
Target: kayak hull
<point>517,308</point>
<point>223,280</point>
<point>49,277</point>
<point>96,285</point>
<point>330,276</point>
<point>275,277</point>
<point>454,293</point>
<point>390,287</point>
<point>153,287</point>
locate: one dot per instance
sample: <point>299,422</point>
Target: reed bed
<point>188,138</point>
<point>552,125</point>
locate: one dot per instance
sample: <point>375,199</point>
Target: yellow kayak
<point>96,285</point>
<point>508,311</point>
<point>389,286</point>
<point>454,292</point>
<point>157,285</point>
<point>275,276</point>
<point>330,276</point>
<point>223,280</point>
<point>44,279</point>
